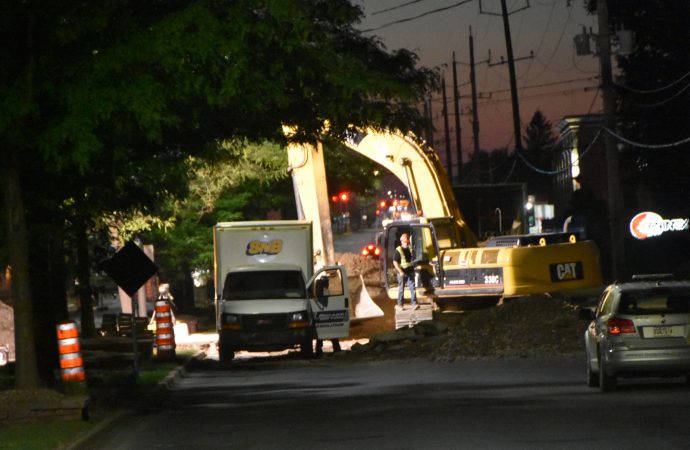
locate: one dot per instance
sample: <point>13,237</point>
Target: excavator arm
<point>419,168</point>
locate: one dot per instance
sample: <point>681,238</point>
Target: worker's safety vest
<point>404,263</point>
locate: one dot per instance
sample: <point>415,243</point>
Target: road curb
<point>163,386</point>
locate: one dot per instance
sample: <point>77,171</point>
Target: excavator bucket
<point>364,307</point>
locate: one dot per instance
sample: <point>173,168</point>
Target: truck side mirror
<point>320,286</point>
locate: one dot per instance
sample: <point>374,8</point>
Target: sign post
<point>130,268</point>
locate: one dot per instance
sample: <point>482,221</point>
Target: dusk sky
<point>555,81</point>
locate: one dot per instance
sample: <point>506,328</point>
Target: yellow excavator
<point>454,270</point>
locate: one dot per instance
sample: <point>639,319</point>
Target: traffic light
<point>344,197</point>
<point>382,204</point>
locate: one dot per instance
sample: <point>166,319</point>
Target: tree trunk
<point>26,371</point>
<point>47,274</point>
<point>88,327</point>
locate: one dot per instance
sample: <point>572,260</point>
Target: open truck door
<point>330,305</point>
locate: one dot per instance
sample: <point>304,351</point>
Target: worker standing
<point>405,271</point>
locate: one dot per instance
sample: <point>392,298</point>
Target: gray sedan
<point>639,328</point>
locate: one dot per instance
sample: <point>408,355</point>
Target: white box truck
<point>268,297</point>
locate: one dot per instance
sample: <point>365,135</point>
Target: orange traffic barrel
<point>165,333</point>
<point>69,352</point>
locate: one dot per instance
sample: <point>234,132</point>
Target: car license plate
<point>665,331</point>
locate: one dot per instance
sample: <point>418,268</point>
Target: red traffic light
<point>344,197</point>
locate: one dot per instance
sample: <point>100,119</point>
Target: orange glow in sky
<point>555,80</point>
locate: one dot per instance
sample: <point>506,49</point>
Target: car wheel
<point>592,376</point>
<point>606,382</point>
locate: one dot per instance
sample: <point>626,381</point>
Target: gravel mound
<point>537,325</point>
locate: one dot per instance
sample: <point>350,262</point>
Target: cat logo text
<point>568,271</point>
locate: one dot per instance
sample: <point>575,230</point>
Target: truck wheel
<point>306,349</point>
<point>225,354</point>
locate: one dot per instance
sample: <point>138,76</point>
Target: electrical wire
<point>541,41</point>
<point>653,91</point>
<point>596,94</point>
<point>419,16</point>
<point>565,169</point>
<point>662,102</point>
<point>647,146</point>
<point>393,8</point>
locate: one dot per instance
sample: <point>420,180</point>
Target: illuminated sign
<point>649,224</point>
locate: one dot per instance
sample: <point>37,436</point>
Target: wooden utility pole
<point>613,178</point>
<point>513,79</point>
<point>458,140</point>
<point>449,157</point>
<point>430,128</point>
<point>475,115</point>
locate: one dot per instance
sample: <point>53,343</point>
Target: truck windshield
<point>265,284</point>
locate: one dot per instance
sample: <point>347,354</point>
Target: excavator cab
<point>425,251</point>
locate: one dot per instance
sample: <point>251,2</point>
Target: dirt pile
<point>357,265</point>
<point>537,325</point>
<point>7,328</point>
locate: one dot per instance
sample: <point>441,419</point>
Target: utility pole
<point>511,70</point>
<point>458,141</point>
<point>513,79</point>
<point>449,158</point>
<point>475,114</point>
<point>613,178</point>
<point>429,129</point>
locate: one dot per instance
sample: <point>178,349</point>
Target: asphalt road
<point>354,241</point>
<point>287,403</point>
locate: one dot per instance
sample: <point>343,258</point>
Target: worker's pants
<point>407,279</point>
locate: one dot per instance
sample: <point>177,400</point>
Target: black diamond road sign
<point>130,268</point>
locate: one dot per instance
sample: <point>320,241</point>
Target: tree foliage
<point>539,154</point>
<point>652,98</point>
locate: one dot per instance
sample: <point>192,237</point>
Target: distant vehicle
<point>371,251</point>
<point>639,328</point>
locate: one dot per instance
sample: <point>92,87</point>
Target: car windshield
<point>656,301</point>
<point>265,284</point>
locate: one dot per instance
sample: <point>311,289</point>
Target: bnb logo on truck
<point>257,247</point>
<point>568,271</point>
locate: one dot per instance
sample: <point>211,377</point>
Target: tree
<point>652,99</point>
<point>538,155</point>
<point>142,80</point>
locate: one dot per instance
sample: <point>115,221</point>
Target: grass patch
<point>40,436</point>
<point>6,380</point>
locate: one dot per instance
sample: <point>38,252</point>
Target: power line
<point>419,16</point>
<point>647,146</point>
<point>393,8</point>
<point>653,91</point>
<point>662,102</point>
